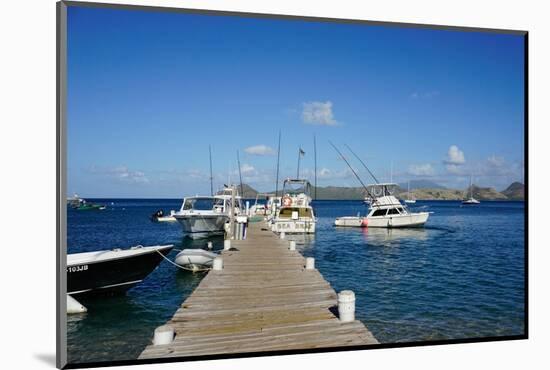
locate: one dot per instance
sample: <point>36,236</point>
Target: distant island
<point>431,191</point>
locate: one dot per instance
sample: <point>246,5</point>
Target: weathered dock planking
<point>263,300</point>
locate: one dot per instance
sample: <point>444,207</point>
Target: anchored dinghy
<point>195,259</point>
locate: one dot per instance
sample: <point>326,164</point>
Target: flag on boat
<point>302,152</point>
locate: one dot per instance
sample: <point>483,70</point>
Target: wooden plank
<point>264,299</point>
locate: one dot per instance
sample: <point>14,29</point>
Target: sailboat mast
<point>278,156</point>
<point>315,161</point>
<point>211,177</point>
<point>240,177</point>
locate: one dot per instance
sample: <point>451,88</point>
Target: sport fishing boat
<point>295,214</point>
<point>385,210</point>
<point>203,216</point>
<point>85,206</point>
<point>471,200</point>
<point>112,271</point>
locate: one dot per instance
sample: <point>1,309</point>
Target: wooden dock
<point>263,300</point>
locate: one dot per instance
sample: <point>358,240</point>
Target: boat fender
<point>365,222</point>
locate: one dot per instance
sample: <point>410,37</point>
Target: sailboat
<point>471,200</point>
<point>409,200</point>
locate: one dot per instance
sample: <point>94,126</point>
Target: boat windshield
<point>199,204</point>
<point>302,212</point>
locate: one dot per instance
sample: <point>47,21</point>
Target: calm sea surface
<point>462,276</point>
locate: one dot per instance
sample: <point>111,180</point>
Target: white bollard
<point>282,235</point>
<point>226,244</point>
<point>217,265</point>
<point>310,263</point>
<point>209,245</point>
<point>292,245</point>
<point>163,335</point>
<point>74,306</point>
<point>346,306</point>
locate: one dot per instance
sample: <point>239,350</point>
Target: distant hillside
<point>516,191</point>
<point>422,184</point>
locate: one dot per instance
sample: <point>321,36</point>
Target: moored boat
<point>471,200</point>
<point>160,216</point>
<point>295,215</point>
<point>195,259</point>
<point>110,271</point>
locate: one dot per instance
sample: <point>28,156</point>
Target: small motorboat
<point>86,206</point>
<point>159,216</point>
<point>112,271</point>
<point>195,259</point>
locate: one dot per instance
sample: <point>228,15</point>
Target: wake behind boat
<point>110,271</point>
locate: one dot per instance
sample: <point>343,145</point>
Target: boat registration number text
<point>77,268</point>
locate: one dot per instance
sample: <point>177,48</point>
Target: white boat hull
<point>349,221</point>
<point>198,226</point>
<point>294,226</point>
<point>408,220</point>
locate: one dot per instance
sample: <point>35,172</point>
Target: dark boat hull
<point>112,276</point>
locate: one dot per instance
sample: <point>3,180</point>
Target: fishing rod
<point>364,165</point>
<point>240,177</point>
<point>352,170</point>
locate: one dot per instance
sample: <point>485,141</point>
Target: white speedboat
<point>471,200</point>
<point>160,216</point>
<point>295,214</point>
<point>386,210</point>
<point>203,216</point>
<point>195,259</point>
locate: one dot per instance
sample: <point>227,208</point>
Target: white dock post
<point>292,245</point>
<point>209,245</point>
<point>310,263</point>
<point>247,208</point>
<point>163,335</point>
<point>346,306</point>
<point>217,265</point>
<point>282,235</point>
<point>226,244</point>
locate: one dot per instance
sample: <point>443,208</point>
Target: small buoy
<point>346,306</point>
<point>163,335</point>
<point>74,306</point>
<point>227,244</point>
<point>310,263</point>
<point>282,235</point>
<point>365,222</point>
<point>217,265</point>
<point>292,245</point>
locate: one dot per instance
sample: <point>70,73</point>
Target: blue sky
<point>148,92</point>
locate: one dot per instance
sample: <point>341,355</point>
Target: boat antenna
<point>315,160</point>
<point>211,178</point>
<point>278,156</point>
<point>240,177</point>
<point>363,163</point>
<point>352,170</point>
<point>300,151</point>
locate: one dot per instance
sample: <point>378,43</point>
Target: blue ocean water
<point>462,276</point>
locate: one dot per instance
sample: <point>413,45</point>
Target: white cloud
<point>318,113</point>
<point>421,170</point>
<point>260,150</point>
<point>247,169</point>
<point>455,156</point>
<point>494,161</point>
<point>121,173</point>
